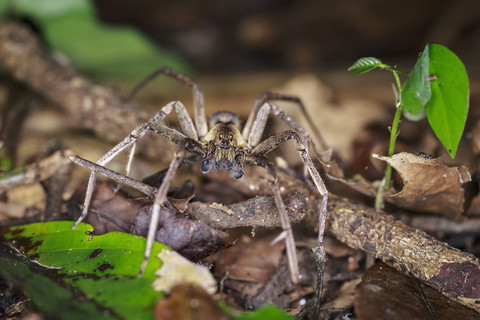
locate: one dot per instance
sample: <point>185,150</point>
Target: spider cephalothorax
<point>224,144</point>
<point>221,145</point>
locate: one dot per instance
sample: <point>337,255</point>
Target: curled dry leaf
<point>428,185</point>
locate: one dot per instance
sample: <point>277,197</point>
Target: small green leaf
<point>416,91</point>
<point>448,107</point>
<point>366,64</point>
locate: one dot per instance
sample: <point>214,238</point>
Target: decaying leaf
<point>176,270</point>
<point>22,193</point>
<point>428,185</point>
<point>253,273</point>
<point>385,293</point>
<point>194,240</point>
<point>250,260</point>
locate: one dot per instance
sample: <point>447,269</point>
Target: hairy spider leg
<point>274,96</point>
<point>267,146</point>
<point>274,142</point>
<point>262,100</point>
<point>159,200</point>
<point>253,139</point>
<point>198,98</point>
<point>198,103</point>
<point>287,233</point>
<point>137,133</point>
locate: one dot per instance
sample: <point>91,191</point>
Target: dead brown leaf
<point>428,185</point>
<point>385,293</point>
<point>248,267</point>
<point>194,240</point>
<point>250,260</point>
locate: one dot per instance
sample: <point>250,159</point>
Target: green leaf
<point>365,64</point>
<point>98,274</point>
<point>416,91</point>
<point>448,107</point>
<point>438,86</point>
<point>72,28</point>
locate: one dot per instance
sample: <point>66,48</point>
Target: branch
<point>95,107</point>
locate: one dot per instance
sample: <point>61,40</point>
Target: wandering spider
<point>221,145</point>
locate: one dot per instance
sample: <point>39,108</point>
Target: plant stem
<point>391,148</point>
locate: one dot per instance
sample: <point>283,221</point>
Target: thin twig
<point>120,178</point>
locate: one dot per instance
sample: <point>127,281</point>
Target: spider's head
<point>225,144</point>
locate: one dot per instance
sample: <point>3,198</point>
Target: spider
<point>220,144</point>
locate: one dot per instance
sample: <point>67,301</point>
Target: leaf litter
<point>267,284</point>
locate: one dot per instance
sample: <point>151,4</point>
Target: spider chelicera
<point>220,144</point>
